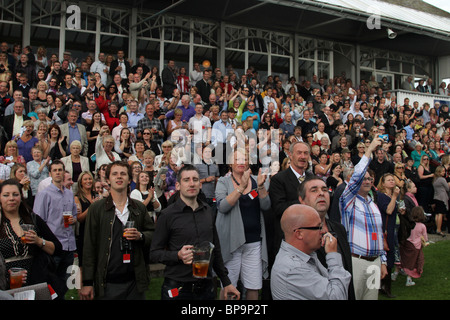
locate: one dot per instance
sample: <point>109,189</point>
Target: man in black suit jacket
<point>314,192</point>
<point>8,121</point>
<point>283,188</point>
<point>203,86</point>
<point>169,79</point>
<point>429,87</point>
<point>120,66</point>
<point>327,119</point>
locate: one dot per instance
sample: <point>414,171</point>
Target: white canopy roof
<point>393,13</point>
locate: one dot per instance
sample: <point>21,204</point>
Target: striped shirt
<point>153,123</point>
<point>361,217</point>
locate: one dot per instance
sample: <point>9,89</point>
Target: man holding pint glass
<point>181,228</point>
<point>116,242</point>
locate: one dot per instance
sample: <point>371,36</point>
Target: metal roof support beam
<point>158,13</point>
<point>263,3</point>
<point>26,30</point>
<point>62,31</point>
<point>317,25</point>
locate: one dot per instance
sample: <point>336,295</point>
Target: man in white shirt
<point>200,126</point>
<point>100,67</point>
<point>268,99</point>
<point>195,75</point>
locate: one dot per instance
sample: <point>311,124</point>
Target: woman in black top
<point>92,131</point>
<point>84,197</point>
<point>58,143</point>
<point>38,243</point>
<point>145,192</point>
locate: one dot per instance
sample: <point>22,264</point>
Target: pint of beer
<point>202,256</point>
<point>66,216</point>
<point>200,268</point>
<point>15,277</point>
<point>25,228</point>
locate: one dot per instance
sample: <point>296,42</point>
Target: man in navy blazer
<point>120,66</point>
<point>284,185</point>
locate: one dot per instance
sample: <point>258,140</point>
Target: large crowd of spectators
<point>108,108</point>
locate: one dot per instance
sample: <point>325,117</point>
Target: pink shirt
<point>419,230</point>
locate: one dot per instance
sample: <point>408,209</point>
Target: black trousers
<point>202,289</point>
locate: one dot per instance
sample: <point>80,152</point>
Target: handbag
<point>43,269</point>
<point>385,243</point>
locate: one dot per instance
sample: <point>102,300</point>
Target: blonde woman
<point>162,160</point>
<point>12,156</point>
<point>104,146</point>
<point>240,223</point>
<point>399,175</point>
<point>75,163</point>
<point>42,88</point>
<point>41,134</point>
<point>175,123</point>
<point>7,77</point>
<point>41,59</point>
<point>26,141</point>
<point>4,65</point>
<point>441,191</point>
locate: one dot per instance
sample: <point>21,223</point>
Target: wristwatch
<point>43,243</point>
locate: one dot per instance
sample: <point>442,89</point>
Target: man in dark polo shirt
<point>380,165</point>
<point>183,224</point>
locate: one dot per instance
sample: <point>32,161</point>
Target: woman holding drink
<point>20,248</point>
<point>19,172</point>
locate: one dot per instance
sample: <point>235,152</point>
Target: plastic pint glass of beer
<point>202,256</point>
<point>16,277</point>
<point>25,228</point>
<point>66,216</point>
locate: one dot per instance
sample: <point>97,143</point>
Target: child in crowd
<point>411,250</point>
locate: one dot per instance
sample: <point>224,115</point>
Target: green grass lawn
<point>433,285</point>
<point>435,281</point>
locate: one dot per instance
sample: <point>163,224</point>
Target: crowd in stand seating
<point>108,109</point>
